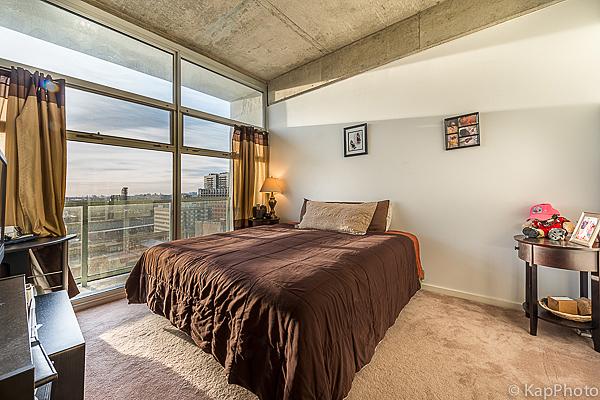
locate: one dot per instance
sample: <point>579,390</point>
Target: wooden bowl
<point>572,317</point>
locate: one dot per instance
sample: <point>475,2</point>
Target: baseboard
<point>99,298</point>
<point>119,293</point>
<point>472,296</point>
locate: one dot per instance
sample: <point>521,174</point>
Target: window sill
<point>97,298</point>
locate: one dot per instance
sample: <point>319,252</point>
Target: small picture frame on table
<point>586,230</point>
<point>355,140</point>
<point>462,131</point>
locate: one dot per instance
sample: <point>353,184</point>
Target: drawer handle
<point>516,247</point>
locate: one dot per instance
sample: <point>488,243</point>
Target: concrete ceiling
<point>264,38</point>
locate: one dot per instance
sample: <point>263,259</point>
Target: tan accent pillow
<point>382,218</point>
<point>345,218</point>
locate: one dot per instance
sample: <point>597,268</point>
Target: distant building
<point>218,192</point>
<point>210,181</point>
<point>124,193</point>
<point>162,218</point>
<point>215,185</point>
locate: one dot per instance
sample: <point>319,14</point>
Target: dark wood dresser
<point>24,364</point>
<point>16,364</point>
<point>61,337</point>
<point>55,362</point>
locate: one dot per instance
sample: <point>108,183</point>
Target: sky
<point>104,170</point>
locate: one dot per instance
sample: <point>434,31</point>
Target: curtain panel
<point>36,152</point>
<point>4,83</point>
<point>250,168</point>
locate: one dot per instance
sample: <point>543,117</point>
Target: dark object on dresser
<point>259,211</point>
<point>262,221</point>
<point>563,255</point>
<point>24,365</point>
<point>61,337</point>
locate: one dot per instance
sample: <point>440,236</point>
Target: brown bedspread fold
<point>290,314</point>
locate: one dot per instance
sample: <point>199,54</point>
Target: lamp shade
<point>271,185</point>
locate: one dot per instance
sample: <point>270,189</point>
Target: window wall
<point>149,127</point>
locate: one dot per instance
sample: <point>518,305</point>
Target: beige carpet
<point>440,348</point>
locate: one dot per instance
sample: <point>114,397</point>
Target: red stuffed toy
<point>545,221</point>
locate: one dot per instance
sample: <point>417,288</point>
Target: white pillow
<point>345,218</point>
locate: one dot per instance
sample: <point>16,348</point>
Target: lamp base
<point>272,204</point>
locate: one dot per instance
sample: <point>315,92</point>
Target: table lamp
<point>271,185</point>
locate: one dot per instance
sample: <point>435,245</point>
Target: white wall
<point>536,82</point>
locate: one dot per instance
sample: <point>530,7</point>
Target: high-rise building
<point>210,181</point>
<point>223,180</point>
<point>124,193</point>
<point>215,185</point>
<point>216,181</point>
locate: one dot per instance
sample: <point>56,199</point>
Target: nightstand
<point>262,221</point>
<point>563,255</point>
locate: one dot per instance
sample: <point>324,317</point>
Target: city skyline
<point>193,187</point>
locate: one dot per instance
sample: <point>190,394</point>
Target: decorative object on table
<point>584,306</point>
<point>355,140</point>
<point>571,317</point>
<point>262,212</point>
<point>545,221</point>
<point>462,131</point>
<point>563,304</point>
<point>587,228</point>
<point>272,185</point>
<point>259,211</point>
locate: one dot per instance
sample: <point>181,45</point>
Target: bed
<point>289,313</point>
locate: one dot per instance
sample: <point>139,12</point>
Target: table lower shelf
<point>549,317</point>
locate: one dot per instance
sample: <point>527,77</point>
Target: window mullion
<point>117,141</point>
<point>177,140</point>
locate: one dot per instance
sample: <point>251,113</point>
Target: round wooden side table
<point>563,255</point>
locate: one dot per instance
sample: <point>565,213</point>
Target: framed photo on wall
<point>355,140</point>
<point>587,229</point>
<point>462,131</point>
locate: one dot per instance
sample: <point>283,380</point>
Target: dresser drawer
<point>577,260</point>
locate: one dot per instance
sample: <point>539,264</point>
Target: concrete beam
<point>441,23</point>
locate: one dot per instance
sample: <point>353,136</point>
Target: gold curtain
<point>4,82</point>
<point>250,169</point>
<point>36,152</point>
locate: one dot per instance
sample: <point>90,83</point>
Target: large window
<point>119,203</point>
<point>207,91</point>
<point>92,113</point>
<point>127,135</point>
<point>62,42</point>
<point>206,134</point>
<point>205,188</point>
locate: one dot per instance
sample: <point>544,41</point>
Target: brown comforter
<point>290,314</point>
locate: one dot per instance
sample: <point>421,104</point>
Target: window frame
<point>177,111</point>
<point>193,110</point>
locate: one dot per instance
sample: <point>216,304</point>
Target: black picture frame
<point>462,131</point>
<point>361,130</point>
